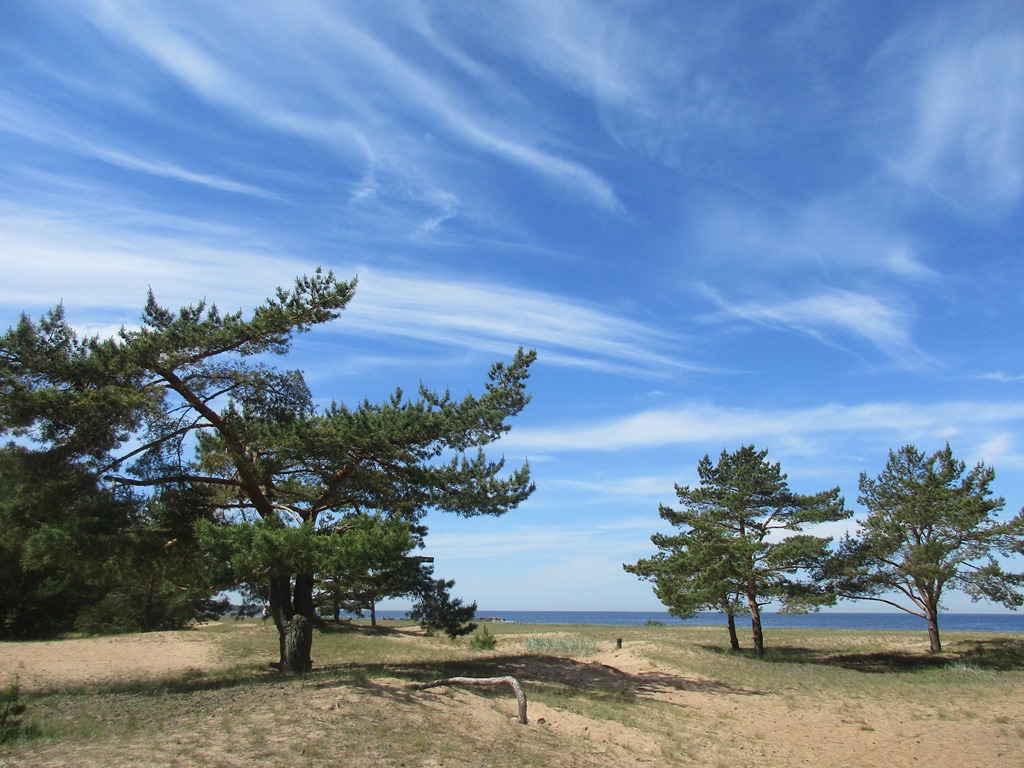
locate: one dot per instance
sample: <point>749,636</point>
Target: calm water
<point>948,622</point>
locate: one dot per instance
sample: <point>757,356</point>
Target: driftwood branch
<point>520,696</point>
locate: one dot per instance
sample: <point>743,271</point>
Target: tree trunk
<point>933,630</point>
<point>734,641</point>
<point>298,642</point>
<point>755,623</point>
<point>300,630</point>
<point>281,611</point>
<point>147,611</point>
<point>373,613</point>
<point>294,614</point>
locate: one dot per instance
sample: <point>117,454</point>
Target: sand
<point>724,725</point>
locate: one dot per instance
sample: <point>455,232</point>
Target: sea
<point>948,622</point>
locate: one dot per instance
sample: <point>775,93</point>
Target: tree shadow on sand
<point>330,627</point>
<point>996,654</point>
<point>539,673</point>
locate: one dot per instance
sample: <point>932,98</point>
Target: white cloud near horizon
<point>597,541</point>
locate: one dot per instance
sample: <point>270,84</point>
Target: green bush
<point>11,709</point>
<point>483,640</point>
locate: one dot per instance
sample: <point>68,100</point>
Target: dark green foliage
<point>338,492</point>
<point>727,556</point>
<point>58,528</point>
<point>931,527</point>
<point>376,564</point>
<point>351,551</point>
<point>76,555</point>
<point>85,398</point>
<point>437,611</point>
<point>161,578</point>
<point>80,398</point>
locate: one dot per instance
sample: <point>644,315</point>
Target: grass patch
<point>11,710</point>
<point>686,694</point>
<point>574,645</point>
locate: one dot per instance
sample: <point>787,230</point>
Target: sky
<point>797,225</point>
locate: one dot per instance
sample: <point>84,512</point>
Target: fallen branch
<point>520,696</point>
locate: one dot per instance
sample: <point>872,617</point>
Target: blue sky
<point>797,225</point>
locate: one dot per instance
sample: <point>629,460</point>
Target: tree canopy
<point>931,527</point>
<point>78,554</point>
<point>741,544</point>
<point>187,400</point>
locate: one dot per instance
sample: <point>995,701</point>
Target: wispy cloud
<point>113,267</point>
<point>170,171</point>
<point>702,423</point>
<point>553,541</point>
<point>1001,377</point>
<point>841,251</point>
<point>221,71</point>
<point>833,317</point>
<point>605,489</point>
<point>970,118</point>
<point>965,86</point>
<point>107,267</point>
<point>834,237</point>
<point>41,127</point>
<point>490,317</point>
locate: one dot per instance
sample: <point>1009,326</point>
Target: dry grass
<point>669,696</point>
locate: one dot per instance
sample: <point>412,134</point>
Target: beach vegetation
<point>12,709</point>
<point>741,543</point>
<point>483,640</point>
<point>932,526</point>
<point>674,694</point>
<point>186,402</point>
<point>574,644</point>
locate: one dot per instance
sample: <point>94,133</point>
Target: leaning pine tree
<point>300,490</point>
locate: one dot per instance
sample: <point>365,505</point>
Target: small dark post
<point>618,643</point>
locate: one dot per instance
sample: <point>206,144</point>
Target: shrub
<point>483,640</point>
<point>10,710</point>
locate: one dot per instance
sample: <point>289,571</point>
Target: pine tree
<point>289,478</point>
<point>931,527</point>
<point>728,555</point>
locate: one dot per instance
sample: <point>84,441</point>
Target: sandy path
<point>55,664</point>
<point>771,729</point>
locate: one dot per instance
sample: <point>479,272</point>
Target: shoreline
<point>848,620</point>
